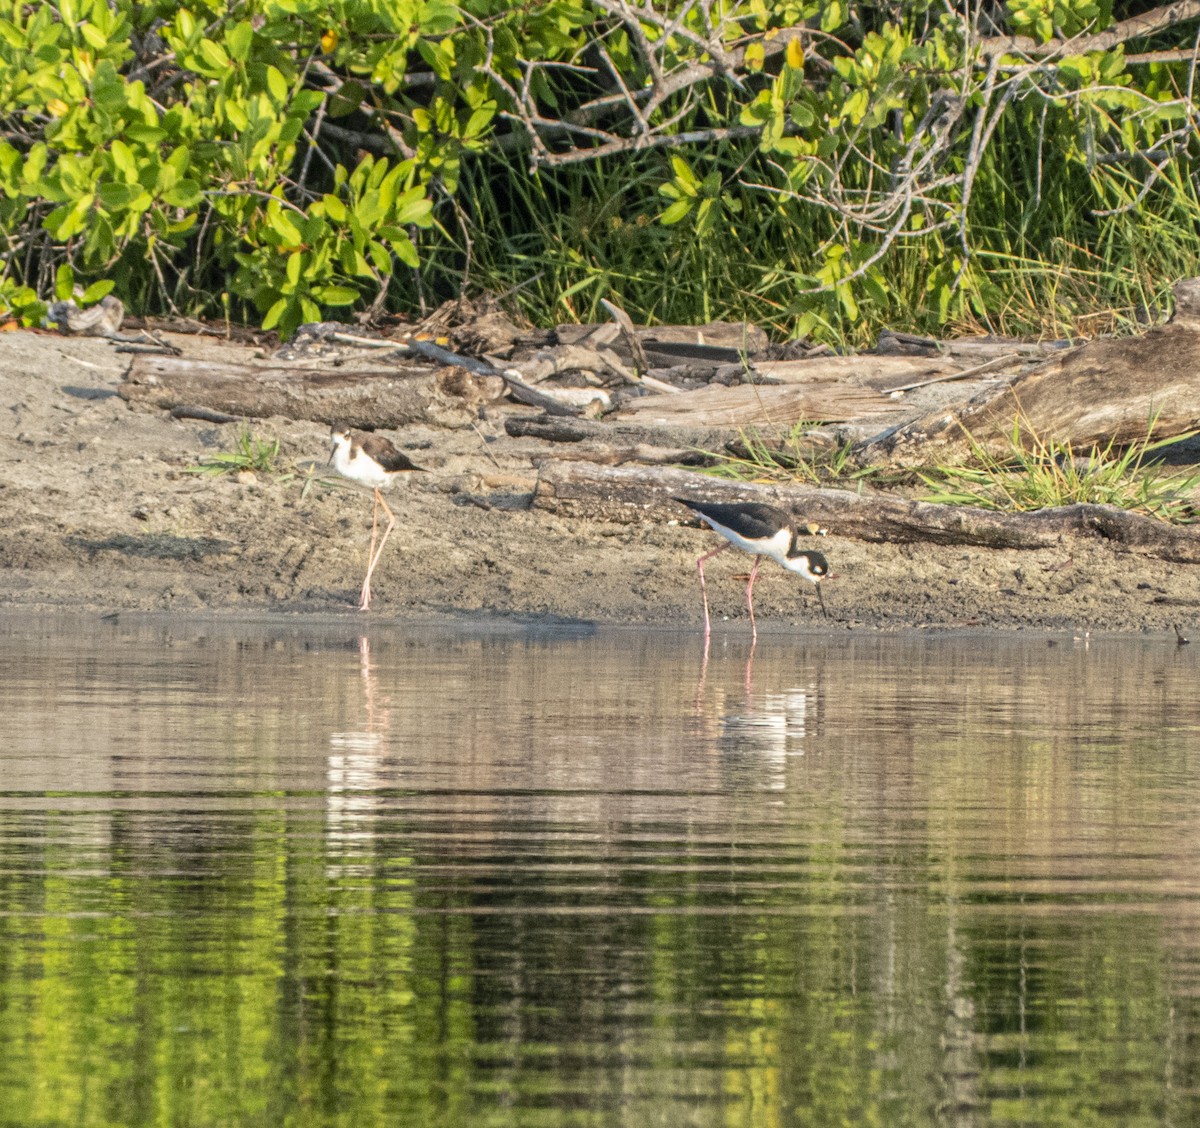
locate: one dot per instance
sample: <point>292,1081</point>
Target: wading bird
<point>372,461</point>
<point>763,531</point>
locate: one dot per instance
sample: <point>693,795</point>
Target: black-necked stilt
<point>763,531</point>
<point>372,461</point>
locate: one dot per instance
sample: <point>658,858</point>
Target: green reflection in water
<point>864,895</point>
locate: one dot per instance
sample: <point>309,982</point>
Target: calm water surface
<point>307,874</point>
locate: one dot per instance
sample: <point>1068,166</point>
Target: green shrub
<point>820,166</point>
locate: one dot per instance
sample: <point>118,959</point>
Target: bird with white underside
<point>761,530</point>
<point>371,460</point>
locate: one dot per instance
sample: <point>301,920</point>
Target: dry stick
<point>640,363</point>
<point>487,453</point>
<point>366,342</point>
<point>986,366</point>
<point>613,363</point>
<point>207,415</point>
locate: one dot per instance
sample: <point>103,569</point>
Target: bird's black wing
<point>385,454</point>
<point>751,520</point>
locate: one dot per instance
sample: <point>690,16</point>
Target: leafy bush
<point>816,164</point>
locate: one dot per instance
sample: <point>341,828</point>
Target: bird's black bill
<point>821,601</point>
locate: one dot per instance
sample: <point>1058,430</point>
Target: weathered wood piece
<point>562,358</point>
<point>666,354</point>
<point>192,411</point>
<point>1109,390</point>
<point>358,397</point>
<point>613,454</point>
<point>996,364</point>
<point>885,370</point>
<point>969,350</point>
<point>760,405</point>
<point>630,494</point>
<point>740,335</point>
<point>697,443</point>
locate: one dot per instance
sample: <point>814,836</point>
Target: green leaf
<point>97,290</point>
<point>73,222</point>
<point>239,39</point>
<point>675,212</point>
<point>64,282</point>
<point>236,115</point>
<point>124,159</point>
<point>277,84</point>
<point>334,208</point>
<point>405,252</point>
<point>684,176</point>
<point>274,314</point>
<point>184,194</point>
<point>414,207</point>
<point>214,55</point>
<point>94,36</point>
<point>282,225</point>
<point>336,295</point>
<point>115,196</point>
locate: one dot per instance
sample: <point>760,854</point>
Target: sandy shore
<point>98,511</point>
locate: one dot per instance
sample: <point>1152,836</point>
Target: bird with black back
<point>371,460</point>
<point>761,530</point>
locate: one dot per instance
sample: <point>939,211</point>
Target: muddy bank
<point>98,511</point>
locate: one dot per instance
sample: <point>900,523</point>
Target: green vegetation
<point>798,456</point>
<point>250,453</point>
<point>261,455</point>
<point>1038,473</point>
<point>820,167</point>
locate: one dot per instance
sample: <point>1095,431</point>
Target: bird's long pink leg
<point>750,599</point>
<point>703,590</point>
<point>366,593</point>
<point>364,599</point>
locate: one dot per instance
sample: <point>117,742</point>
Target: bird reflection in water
<point>355,769</point>
<point>760,730</point>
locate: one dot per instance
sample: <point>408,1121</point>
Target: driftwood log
<point>630,494</point>
<point>1117,390</point>
<point>358,397</point>
<point>695,447</point>
<point>753,405</point>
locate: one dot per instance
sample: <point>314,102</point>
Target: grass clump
<point>250,452</point>
<point>799,456</point>
<point>257,454</point>
<point>1038,473</point>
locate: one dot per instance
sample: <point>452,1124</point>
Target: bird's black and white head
<point>811,565</point>
<point>340,438</point>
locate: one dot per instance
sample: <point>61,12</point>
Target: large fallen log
<point>631,494</point>
<point>358,397</point>
<point>670,444</point>
<point>1117,390</point>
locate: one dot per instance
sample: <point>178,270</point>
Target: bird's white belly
<point>775,547</point>
<point>359,468</point>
